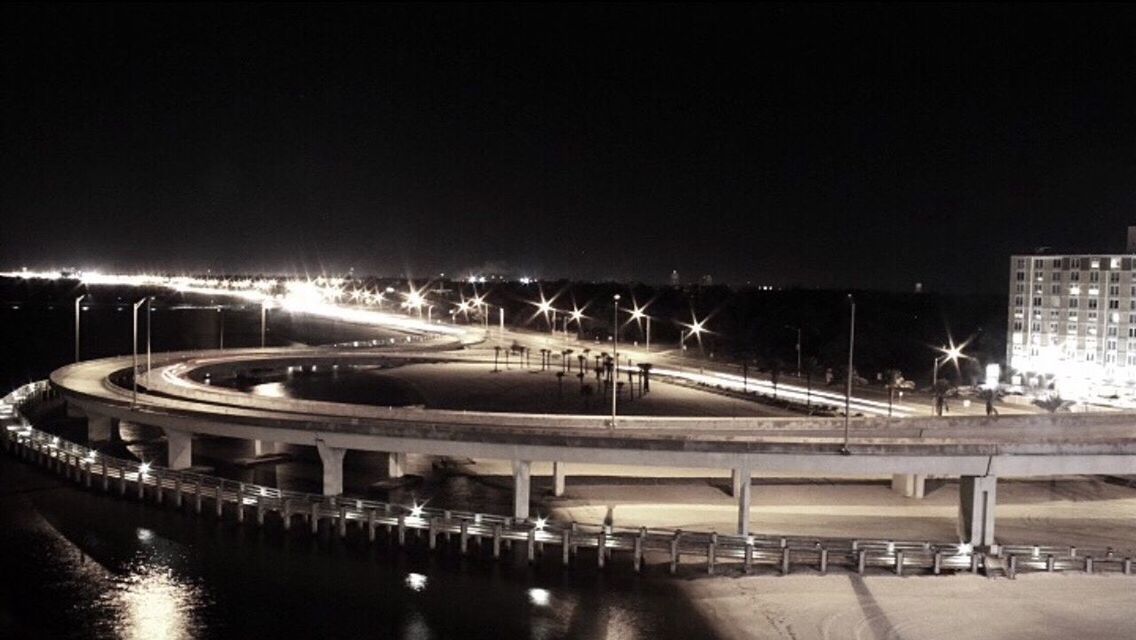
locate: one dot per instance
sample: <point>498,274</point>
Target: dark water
<point>79,564</point>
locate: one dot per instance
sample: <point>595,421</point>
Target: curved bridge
<point>977,449</point>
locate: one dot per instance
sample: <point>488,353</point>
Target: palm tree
<point>1053,403</point>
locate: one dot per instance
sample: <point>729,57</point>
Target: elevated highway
<point>977,449</point>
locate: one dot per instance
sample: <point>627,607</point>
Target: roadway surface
<point>1011,445</point>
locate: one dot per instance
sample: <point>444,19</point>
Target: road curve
<point>1007,445</point>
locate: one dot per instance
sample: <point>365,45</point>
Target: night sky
<point>868,147</point>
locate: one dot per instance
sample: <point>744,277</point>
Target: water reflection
<point>152,602</point>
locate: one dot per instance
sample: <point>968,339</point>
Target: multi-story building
<point>1072,323</point>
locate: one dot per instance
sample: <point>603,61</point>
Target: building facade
<point>1072,325</point>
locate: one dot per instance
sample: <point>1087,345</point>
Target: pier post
<point>977,498</point>
<point>742,488</point>
<point>396,465</point>
<point>180,449</point>
<point>558,478</point>
<point>909,485</point>
<point>332,459</point>
<point>521,485</point>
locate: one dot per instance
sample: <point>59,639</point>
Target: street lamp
<point>77,301</point>
<point>614,355</point>
<point>577,317</point>
<point>952,353</point>
<point>263,320</point>
<point>221,327</point>
<point>694,329</point>
<point>637,314</point>
<point>848,378</point>
<point>798,330</point>
<point>134,378</point>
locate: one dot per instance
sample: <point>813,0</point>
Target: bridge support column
<point>977,498</point>
<point>263,447</point>
<point>521,474</point>
<point>332,459</point>
<point>180,454</point>
<point>909,485</point>
<point>100,428</point>
<point>396,464</point>
<point>742,487</point>
<point>558,479</point>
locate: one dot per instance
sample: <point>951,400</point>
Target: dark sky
<point>822,146</point>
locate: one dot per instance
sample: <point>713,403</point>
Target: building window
<point>1037,301</point>
<point>1021,276</point>
<point>1114,263</point>
<point>1112,331</point>
<point>1017,301</point>
<point>1072,303</point>
<point>1075,276</point>
<point>1114,276</point>
<point>1057,276</point>
<point>1114,291</point>
<point>1094,263</point>
<point>1093,302</point>
<point>1094,276</point>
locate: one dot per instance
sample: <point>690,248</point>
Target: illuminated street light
<point>77,301</point>
<point>137,305</point>
<point>952,353</point>
<point>417,510</point>
<point>694,329</point>
<point>848,378</point>
<point>638,315</point>
<point>614,355</point>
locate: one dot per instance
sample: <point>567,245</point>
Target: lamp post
<point>614,355</point>
<point>952,353</point>
<point>134,378</point>
<point>77,301</point>
<point>798,330</point>
<point>263,320</point>
<point>221,327</point>
<point>148,312</point>
<point>848,378</point>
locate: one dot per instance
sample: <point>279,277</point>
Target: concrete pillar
<point>521,473</point>
<point>909,485</point>
<point>735,483</point>
<point>332,459</point>
<point>396,465</point>
<point>264,447</point>
<point>558,479</point>
<point>977,499</point>
<point>180,449</point>
<point>742,487</point>
<point>100,428</point>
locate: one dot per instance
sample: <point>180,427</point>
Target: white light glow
<point>416,581</point>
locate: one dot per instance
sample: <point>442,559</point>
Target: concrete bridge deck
<point>977,447</point>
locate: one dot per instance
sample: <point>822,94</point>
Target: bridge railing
<point>709,549</point>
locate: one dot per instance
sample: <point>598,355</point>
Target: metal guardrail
<point>712,551</point>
